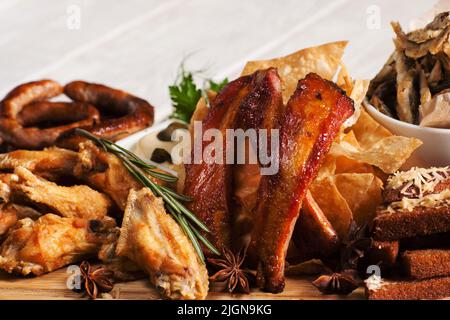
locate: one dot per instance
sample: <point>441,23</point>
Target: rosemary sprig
<point>141,171</point>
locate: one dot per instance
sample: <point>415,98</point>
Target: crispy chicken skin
<point>5,190</point>
<point>104,171</point>
<point>75,201</point>
<point>124,269</point>
<point>97,168</point>
<point>8,218</point>
<point>48,161</point>
<point>156,243</point>
<point>10,213</point>
<point>51,242</point>
<point>313,116</point>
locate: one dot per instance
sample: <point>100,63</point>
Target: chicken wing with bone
<point>95,167</point>
<point>10,213</point>
<point>51,242</point>
<point>75,201</point>
<point>155,242</point>
<point>47,162</point>
<point>104,171</point>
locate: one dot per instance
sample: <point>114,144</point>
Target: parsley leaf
<point>217,86</point>
<point>184,95</point>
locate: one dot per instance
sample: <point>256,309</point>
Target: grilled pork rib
<point>248,102</point>
<point>311,121</point>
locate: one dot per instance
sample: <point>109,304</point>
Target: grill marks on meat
<point>312,118</point>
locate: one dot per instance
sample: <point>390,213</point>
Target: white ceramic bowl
<point>435,150</point>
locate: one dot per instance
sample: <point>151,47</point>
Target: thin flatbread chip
<point>375,145</point>
<point>368,131</point>
<point>362,191</point>
<point>333,204</point>
<point>357,93</point>
<point>346,165</point>
<point>388,154</point>
<point>324,60</point>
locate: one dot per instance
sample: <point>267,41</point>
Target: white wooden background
<point>138,45</point>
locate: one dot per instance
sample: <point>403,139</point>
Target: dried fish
<point>431,39</point>
<point>431,30</point>
<point>425,94</point>
<point>407,100</point>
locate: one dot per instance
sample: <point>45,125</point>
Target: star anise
<point>238,279</point>
<point>355,247</point>
<point>345,278</point>
<point>95,281</point>
<point>344,282</point>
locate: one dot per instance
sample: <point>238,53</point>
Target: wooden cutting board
<point>53,286</point>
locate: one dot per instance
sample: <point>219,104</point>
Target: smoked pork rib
<point>313,235</point>
<point>210,183</point>
<point>260,110</point>
<point>313,116</point>
<point>250,102</point>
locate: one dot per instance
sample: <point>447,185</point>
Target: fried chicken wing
<point>48,161</point>
<point>105,172</point>
<point>312,119</point>
<point>75,201</point>
<point>10,213</point>
<point>156,243</point>
<point>124,269</point>
<point>51,242</point>
<point>5,181</point>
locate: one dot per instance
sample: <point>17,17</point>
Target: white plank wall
<point>138,45</point>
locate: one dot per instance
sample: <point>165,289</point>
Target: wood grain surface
<point>53,286</point>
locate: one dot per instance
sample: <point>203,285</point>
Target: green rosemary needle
<point>141,171</point>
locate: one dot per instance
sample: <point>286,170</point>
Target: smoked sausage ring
<point>24,110</point>
<point>122,113</point>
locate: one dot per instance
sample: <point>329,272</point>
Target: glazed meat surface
<point>250,102</point>
<point>312,119</point>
